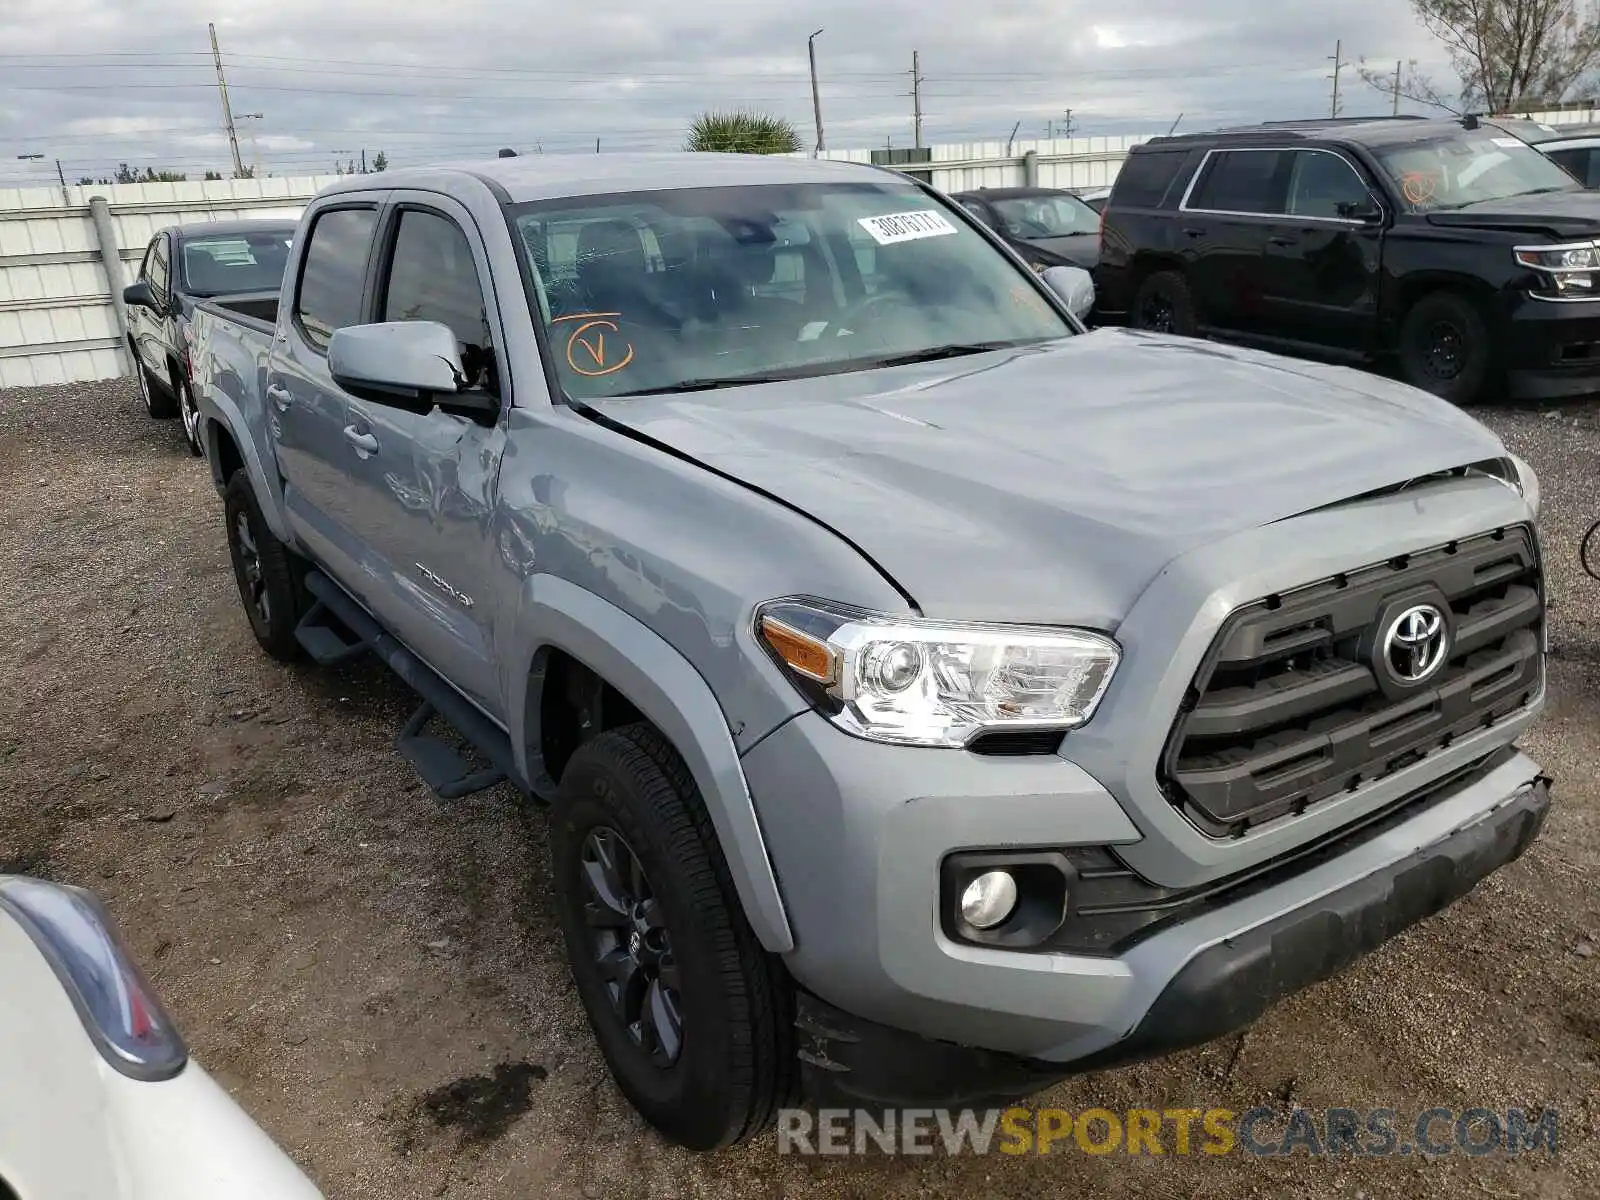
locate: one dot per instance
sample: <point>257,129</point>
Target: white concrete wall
<point>57,323</point>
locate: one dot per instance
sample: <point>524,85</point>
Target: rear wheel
<point>692,1016</point>
<point>1444,348</point>
<point>270,576</point>
<point>1164,304</point>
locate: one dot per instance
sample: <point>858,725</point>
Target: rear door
<point>1231,210</point>
<point>307,412</point>
<point>1322,278</point>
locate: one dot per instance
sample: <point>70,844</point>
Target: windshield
<point>708,287</point>
<point>1046,216</point>
<point>214,265</point>
<point>1469,167</point>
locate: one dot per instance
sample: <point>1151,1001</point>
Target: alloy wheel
<point>632,946</point>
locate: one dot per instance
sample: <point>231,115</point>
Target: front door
<point>1323,261</point>
<point>422,484</point>
<point>306,411</point>
<point>1224,226</point>
<point>145,326</point>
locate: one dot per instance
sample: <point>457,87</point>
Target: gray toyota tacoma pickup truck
<point>932,699</point>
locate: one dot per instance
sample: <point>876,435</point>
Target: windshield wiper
<point>706,385</point>
<point>933,353</point>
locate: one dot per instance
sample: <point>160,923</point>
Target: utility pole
<point>227,110</point>
<point>916,96</point>
<point>1396,88</point>
<point>363,160</point>
<point>1338,62</point>
<point>816,96</point>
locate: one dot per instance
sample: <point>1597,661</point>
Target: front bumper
<point>1552,349</point>
<point>858,832</point>
<point>1218,990</point>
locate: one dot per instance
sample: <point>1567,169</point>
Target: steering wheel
<point>865,310</point>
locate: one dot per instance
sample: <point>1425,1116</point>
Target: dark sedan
<point>183,264</point>
<point>1047,226</point>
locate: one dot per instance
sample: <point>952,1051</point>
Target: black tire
<point>1445,349</point>
<point>191,417</point>
<point>735,1064</point>
<point>270,576</point>
<point>157,402</point>
<point>1164,303</point>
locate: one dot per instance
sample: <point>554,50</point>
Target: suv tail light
<point>78,939</point>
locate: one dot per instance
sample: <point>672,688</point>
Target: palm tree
<point>742,133</point>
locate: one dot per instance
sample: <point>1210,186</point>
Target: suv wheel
<point>268,573</point>
<point>1164,304</point>
<point>1444,348</point>
<point>190,413</point>
<point>692,1016</point>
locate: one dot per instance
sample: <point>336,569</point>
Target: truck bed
<point>257,310</point>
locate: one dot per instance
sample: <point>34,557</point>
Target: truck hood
<point>1052,483</point>
<point>1560,214</point>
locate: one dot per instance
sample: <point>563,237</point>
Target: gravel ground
<point>378,977</point>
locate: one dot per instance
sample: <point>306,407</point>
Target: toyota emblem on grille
<point>1415,643</point>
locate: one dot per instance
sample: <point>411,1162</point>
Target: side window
<point>977,210</point>
<point>432,277</point>
<point>1320,183</point>
<point>1144,178</point>
<point>144,273</point>
<point>160,268</point>
<point>329,295</point>
<point>1241,181</point>
<point>1583,165</point>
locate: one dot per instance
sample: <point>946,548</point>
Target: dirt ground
<point>378,978</point>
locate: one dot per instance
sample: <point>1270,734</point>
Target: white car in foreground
<point>99,1099</point>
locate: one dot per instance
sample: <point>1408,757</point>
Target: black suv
<point>1447,248</point>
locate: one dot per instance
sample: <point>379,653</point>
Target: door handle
<point>281,396</point>
<point>1194,231</point>
<point>1281,241</point>
<point>363,442</point>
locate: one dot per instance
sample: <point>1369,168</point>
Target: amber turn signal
<point>803,654</point>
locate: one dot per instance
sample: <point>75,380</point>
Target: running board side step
<point>446,772</point>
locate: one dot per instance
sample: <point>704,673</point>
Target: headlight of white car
<point>935,683</point>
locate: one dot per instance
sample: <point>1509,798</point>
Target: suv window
<point>1584,164</point>
<point>329,296</point>
<point>1144,178</point>
<point>1240,181</point>
<point>1321,181</point>
<point>160,269</point>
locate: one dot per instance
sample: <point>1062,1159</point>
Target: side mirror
<point>140,295</point>
<point>1075,286</point>
<point>1368,211</point>
<point>407,364</point>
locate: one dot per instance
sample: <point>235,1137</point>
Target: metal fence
<point>59,322</point>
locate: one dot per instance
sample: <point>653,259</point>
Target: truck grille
<point>1331,686</point>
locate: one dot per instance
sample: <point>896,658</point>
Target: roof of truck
<point>1365,131</point>
<point>195,229</point>
<point>550,176</point>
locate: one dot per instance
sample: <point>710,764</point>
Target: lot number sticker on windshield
<point>906,227</point>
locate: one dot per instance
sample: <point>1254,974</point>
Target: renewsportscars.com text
<point>1263,1131</point>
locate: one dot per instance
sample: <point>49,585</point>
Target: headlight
<point>1528,482</point>
<point>1568,270</point>
<point>934,683</point>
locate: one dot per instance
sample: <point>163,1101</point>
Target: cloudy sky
<point>98,82</point>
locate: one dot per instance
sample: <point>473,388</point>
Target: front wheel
<point>190,412</point>
<point>1444,348</point>
<point>692,1015</point>
<point>1164,304</point>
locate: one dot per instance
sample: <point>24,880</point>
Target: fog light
<point>989,899</point>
